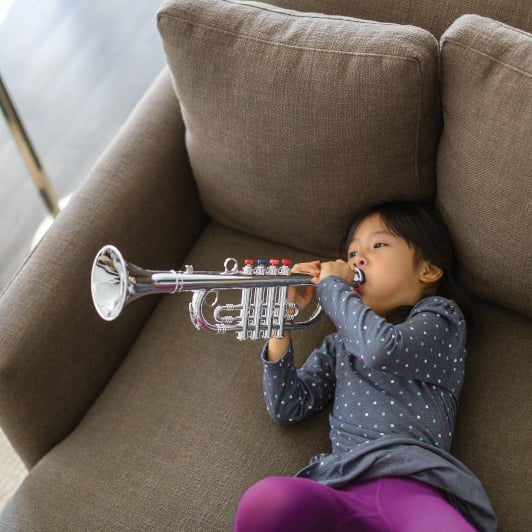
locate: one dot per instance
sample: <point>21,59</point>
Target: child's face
<point>393,279</point>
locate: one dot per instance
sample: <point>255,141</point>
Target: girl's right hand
<point>302,295</point>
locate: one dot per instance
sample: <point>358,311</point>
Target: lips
<point>359,280</point>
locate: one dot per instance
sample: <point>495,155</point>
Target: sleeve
<point>293,395</point>
<point>428,346</point>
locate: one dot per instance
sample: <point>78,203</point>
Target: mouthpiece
<point>359,279</point>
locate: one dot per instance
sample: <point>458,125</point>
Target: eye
<point>352,254</point>
<point>379,245</point>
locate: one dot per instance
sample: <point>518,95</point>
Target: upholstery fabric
<point>493,427</point>
<point>299,120</point>
<point>427,14</point>
<point>485,156</point>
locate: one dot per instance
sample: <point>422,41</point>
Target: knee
<point>264,496</point>
<point>266,500</point>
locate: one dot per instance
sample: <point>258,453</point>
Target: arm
<point>292,395</point>
<point>429,346</point>
<point>56,355</point>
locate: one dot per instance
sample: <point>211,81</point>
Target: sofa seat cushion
<point>180,431</point>
<point>485,156</point>
<point>284,108</point>
<point>494,428</point>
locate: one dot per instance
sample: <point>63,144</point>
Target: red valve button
<point>287,262</point>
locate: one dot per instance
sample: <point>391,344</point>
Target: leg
<point>293,504</point>
<point>408,505</point>
<point>389,504</point>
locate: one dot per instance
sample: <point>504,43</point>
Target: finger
<point>310,268</point>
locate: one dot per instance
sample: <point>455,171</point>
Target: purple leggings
<point>294,504</point>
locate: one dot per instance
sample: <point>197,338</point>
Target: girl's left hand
<point>338,268</point>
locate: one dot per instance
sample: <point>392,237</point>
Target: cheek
<point>403,261</point>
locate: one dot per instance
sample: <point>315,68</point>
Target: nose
<point>360,261</point>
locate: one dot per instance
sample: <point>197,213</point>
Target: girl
<point>394,370</point>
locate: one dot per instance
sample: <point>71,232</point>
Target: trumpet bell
<point>109,283</point>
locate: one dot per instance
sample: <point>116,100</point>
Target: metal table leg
<point>28,153</point>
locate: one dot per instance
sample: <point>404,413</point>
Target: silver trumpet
<point>263,312</point>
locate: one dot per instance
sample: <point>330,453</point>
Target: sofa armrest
<point>56,355</point>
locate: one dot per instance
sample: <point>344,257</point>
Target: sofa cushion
<point>494,426</point>
<point>485,156</point>
<point>297,120</point>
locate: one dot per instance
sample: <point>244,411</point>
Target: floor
<point>75,69</point>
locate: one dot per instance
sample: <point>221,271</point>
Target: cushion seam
<point>285,45</point>
<point>493,22</point>
<point>319,16</point>
<point>484,54</point>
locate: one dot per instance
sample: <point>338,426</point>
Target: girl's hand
<point>310,268</point>
<point>338,268</point>
<point>302,295</point>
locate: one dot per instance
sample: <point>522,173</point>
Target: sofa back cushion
<point>297,120</point>
<point>485,156</point>
<point>435,17</point>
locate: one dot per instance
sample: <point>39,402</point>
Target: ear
<point>429,273</point>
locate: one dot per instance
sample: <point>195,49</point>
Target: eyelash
<point>377,245</point>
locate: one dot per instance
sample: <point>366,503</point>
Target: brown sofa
<point>285,123</point>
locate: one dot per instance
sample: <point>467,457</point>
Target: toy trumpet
<point>264,310</point>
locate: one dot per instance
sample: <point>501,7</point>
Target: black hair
<point>424,229</point>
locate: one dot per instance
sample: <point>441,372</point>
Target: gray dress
<point>395,391</point>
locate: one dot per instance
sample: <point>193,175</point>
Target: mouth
<point>359,280</point>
